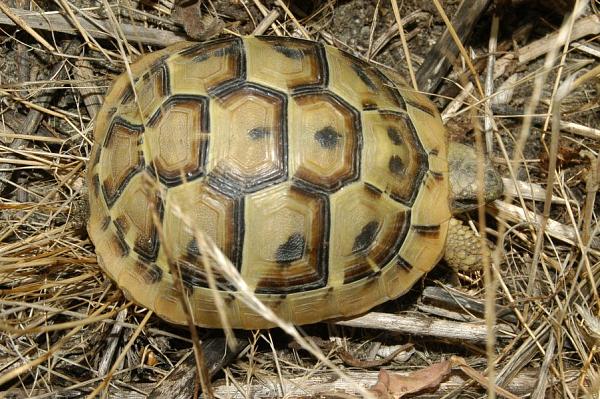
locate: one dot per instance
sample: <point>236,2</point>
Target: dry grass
<point>66,330</point>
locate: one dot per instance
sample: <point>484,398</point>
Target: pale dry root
<point>463,247</point>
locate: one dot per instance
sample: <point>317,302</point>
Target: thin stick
<point>122,355</point>
<point>459,44</point>
<point>263,10</point>
<point>293,18</point>
<point>411,71</point>
<point>25,26</point>
<point>58,22</point>
<point>489,85</point>
<point>266,22</point>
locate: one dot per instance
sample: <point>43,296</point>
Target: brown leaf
<point>395,386</point>
<point>188,13</point>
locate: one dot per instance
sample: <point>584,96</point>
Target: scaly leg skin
<point>463,248</point>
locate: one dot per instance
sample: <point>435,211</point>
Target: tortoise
<point>328,183</point>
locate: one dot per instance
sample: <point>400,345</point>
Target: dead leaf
<point>395,386</point>
<point>188,13</point>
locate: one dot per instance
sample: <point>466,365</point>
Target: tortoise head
<point>464,185</point>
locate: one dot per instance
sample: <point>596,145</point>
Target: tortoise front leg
<point>463,247</point>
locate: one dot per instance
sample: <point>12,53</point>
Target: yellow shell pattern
<point>323,182</point>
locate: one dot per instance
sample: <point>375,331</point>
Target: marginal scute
<point>431,190</point>
<point>398,277</point>
<point>322,182</point>
<point>360,84</point>
<point>429,250</point>
<point>149,272</point>
<point>357,296</point>
<point>304,306</point>
<point>167,303</point>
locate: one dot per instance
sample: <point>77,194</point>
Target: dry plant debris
<point>523,82</point>
<point>396,386</point>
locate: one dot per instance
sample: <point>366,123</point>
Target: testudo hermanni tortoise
<point>328,185</point>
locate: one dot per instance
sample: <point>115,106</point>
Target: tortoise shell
<point>322,180</point>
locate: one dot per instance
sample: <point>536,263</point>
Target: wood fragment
<point>422,326</point>
<point>350,360</point>
<point>22,23</point>
<point>34,117</point>
<point>57,22</point>
<point>322,383</point>
<point>111,346</point>
<point>392,32</point>
<point>529,191</point>
<point>585,26</point>
<point>267,21</point>
<point>92,95</point>
<point>456,300</point>
<point>179,384</point>
<point>540,389</point>
<point>480,378</point>
<point>438,59</point>
<point>553,228</point>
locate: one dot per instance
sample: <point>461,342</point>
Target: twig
<point>34,117</point>
<point>92,96</point>
<point>179,383</point>
<point>489,85</point>
<point>57,22</point>
<point>400,26</point>
<point>553,228</point>
<point>540,389</point>
<point>266,22</point>
<point>126,349</point>
<point>293,18</point>
<point>393,31</point>
<point>420,325</point>
<point>437,62</point>
<point>322,384</point>
<point>25,26</point>
<point>263,10</point>
<point>582,27</point>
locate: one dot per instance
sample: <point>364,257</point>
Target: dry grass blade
<point>58,22</point>
<point>411,72</point>
<point>484,381</point>
<point>25,26</point>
